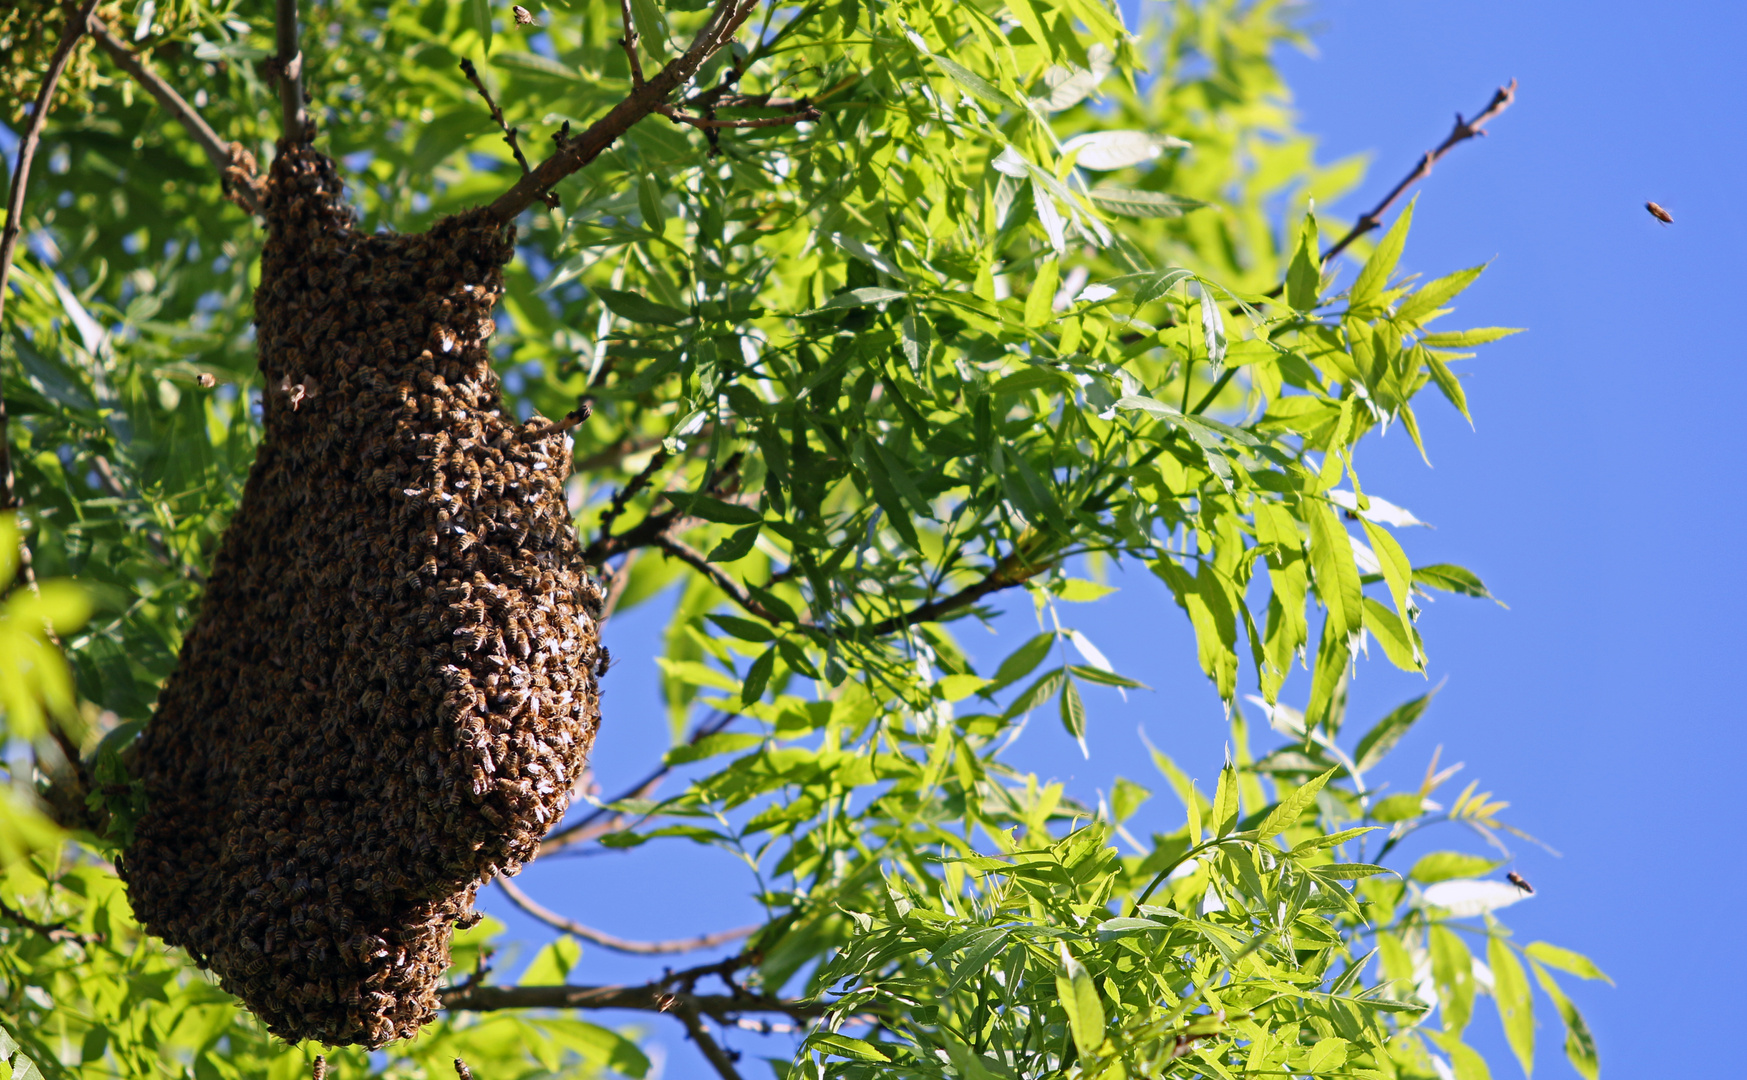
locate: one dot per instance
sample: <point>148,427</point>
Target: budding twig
<point>629,42</point>
<point>509,133</point>
<point>1462,132</point>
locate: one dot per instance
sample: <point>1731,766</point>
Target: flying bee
<point>1665,218</point>
<point>1520,882</point>
<point>523,18</point>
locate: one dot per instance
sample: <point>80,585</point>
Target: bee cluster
<point>391,688</point>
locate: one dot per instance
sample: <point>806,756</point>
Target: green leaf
<point>1036,694</point>
<point>1326,1056</point>
<point>638,309</point>
<point>1565,960</point>
<point>1434,294</point>
<point>1403,807</point>
<point>1579,1043</point>
<point>1225,802</point>
<point>744,629</point>
<point>651,26</point>
<point>1368,288</point>
<point>1397,639</point>
<point>479,14</point>
<point>552,964</point>
<point>1445,865</point>
<point>1462,339</point>
<point>1107,678</point>
<point>597,1045</point>
<point>1074,713</point>
<point>1285,815</point>
<point>709,509</point>
<point>976,84</point>
<point>1381,739</point>
<point>1448,384</point>
<point>1125,798</point>
<point>1142,204</point>
<point>1021,662</point>
<point>846,1047</point>
<point>1397,571</point>
<point>758,676</point>
<point>918,338</point>
<point>735,546</point>
<point>1452,578</point>
<point>864,297</point>
<point>1337,575</point>
<point>1516,1010</point>
<point>714,745</point>
<point>1079,999</point>
<point>1304,277</point>
<point>1040,302</point>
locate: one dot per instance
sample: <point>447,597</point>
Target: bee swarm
<point>390,688</point>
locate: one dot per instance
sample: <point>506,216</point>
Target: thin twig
<point>617,944</point>
<point>626,494</point>
<point>692,557</point>
<point>1009,572</point>
<point>718,29</point>
<point>236,165</point>
<point>602,820</point>
<point>289,69</point>
<point>39,116</point>
<point>629,41</point>
<point>509,133</point>
<point>1462,132</point>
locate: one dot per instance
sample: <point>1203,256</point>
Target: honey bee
<point>1665,218</point>
<point>1517,879</point>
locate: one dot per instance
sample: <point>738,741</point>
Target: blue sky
<point>1593,495</point>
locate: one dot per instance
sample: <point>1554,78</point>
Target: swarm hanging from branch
<point>391,686</point>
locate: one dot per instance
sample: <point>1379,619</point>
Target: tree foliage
<point>909,310</point>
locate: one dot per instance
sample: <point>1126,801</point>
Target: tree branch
<point>1462,132</point>
<point>724,19</point>
<point>804,111</point>
<point>236,165</point>
<point>687,1012</point>
<point>14,228</point>
<point>290,72</point>
<point>1010,571</point>
<point>617,944</point>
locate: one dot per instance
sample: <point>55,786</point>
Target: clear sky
<point>1594,496</point>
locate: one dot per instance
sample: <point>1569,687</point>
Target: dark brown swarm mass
<point>390,690</point>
